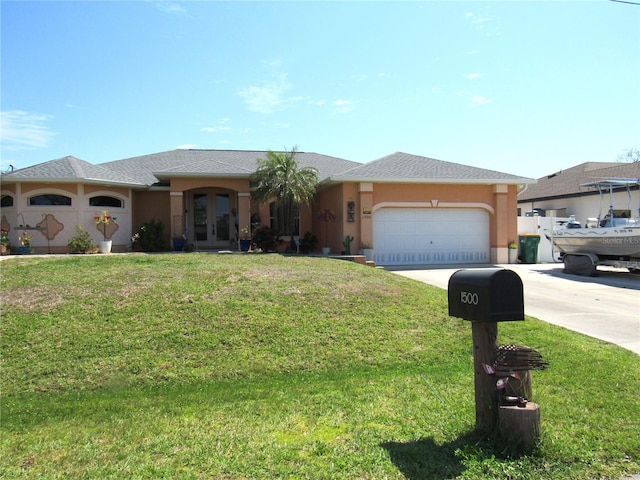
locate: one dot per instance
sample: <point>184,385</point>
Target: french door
<point>210,219</point>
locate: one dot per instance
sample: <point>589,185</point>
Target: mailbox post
<point>485,297</point>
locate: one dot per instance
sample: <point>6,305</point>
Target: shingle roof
<point>404,167</point>
<point>237,163</point>
<point>567,182</point>
<point>70,169</point>
<point>147,170</point>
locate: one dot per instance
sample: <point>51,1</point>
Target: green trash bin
<point>529,248</point>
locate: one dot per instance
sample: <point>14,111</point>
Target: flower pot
<point>513,255</point>
<point>245,245</point>
<point>105,246</point>
<point>24,250</point>
<point>368,254</point>
<point>325,251</point>
<point>178,244</point>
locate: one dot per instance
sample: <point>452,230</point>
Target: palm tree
<point>279,179</point>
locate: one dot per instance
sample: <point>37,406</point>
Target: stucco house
<point>563,193</point>
<point>410,209</point>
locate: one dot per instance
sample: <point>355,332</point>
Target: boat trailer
<point>586,264</point>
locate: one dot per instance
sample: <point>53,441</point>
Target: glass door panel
<point>222,217</point>
<point>200,213</point>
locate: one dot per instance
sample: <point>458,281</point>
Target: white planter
<point>368,254</point>
<point>105,247</point>
<point>325,251</point>
<point>513,255</point>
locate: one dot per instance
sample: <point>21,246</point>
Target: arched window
<point>105,201</point>
<point>6,201</point>
<point>50,199</point>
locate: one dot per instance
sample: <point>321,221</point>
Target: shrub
<point>81,242</point>
<point>265,239</point>
<point>150,237</point>
<point>308,243</point>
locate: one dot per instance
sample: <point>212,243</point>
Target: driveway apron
<point>605,307</point>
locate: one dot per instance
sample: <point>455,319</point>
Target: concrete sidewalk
<point>605,307</point>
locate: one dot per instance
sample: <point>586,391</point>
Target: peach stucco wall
<point>125,192</point>
<point>184,184</point>
<point>336,198</point>
<point>330,234</point>
<point>66,187</point>
<point>499,200</point>
<point>152,206</point>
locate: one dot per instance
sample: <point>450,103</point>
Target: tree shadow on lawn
<point>424,459</point>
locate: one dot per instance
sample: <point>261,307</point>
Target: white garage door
<point>415,236</point>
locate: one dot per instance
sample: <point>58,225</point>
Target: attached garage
<point>427,236</point>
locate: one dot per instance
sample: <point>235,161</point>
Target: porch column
<point>500,225</point>
<point>177,213</point>
<point>244,210</point>
<point>365,191</point>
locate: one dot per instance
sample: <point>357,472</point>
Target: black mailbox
<point>486,295</point>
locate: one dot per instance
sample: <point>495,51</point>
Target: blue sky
<point>527,88</point>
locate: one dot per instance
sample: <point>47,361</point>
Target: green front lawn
<point>264,366</point>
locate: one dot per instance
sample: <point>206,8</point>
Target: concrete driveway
<point>605,307</point>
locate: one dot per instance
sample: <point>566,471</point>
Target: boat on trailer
<point>603,240</point>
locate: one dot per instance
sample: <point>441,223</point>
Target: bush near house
<point>151,238</point>
<point>265,239</point>
<point>308,243</point>
<point>81,242</point>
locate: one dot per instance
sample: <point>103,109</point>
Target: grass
<point>248,366</point>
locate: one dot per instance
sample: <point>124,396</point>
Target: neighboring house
<point>409,209</point>
<point>556,197</point>
<point>562,194</point>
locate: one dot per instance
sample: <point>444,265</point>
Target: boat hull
<point>605,242</point>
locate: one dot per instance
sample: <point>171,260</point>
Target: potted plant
<point>4,242</point>
<point>104,219</point>
<point>513,252</point>
<point>326,216</point>
<point>367,251</point>
<point>25,243</point>
<point>245,238</point>
<point>347,245</point>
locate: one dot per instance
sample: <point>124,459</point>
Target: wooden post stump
<point>520,426</point>
<point>485,344</point>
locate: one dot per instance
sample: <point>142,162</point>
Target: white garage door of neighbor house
<point>427,236</point>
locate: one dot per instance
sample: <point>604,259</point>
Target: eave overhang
<point>61,180</point>
<point>454,181</point>
<point>170,175</point>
